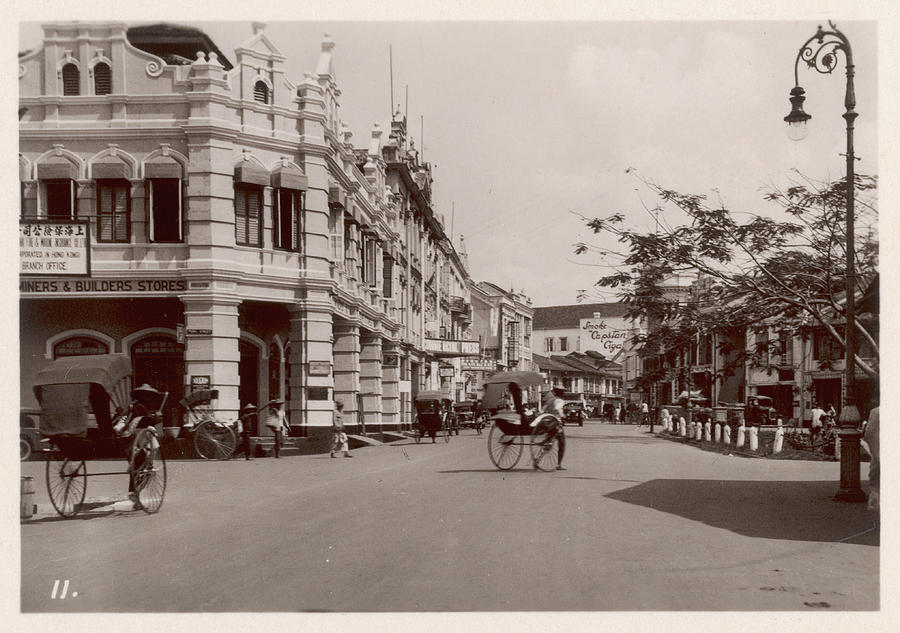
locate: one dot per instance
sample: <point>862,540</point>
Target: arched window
<point>79,346</point>
<point>102,79</point>
<point>70,80</point>
<point>261,92</point>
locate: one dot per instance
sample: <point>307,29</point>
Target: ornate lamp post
<point>820,53</point>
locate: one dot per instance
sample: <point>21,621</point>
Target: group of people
<point>821,420</point>
<point>276,421</point>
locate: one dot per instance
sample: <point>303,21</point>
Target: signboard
<point>54,248</point>
<point>179,333</point>
<point>602,335</point>
<point>200,382</point>
<point>319,368</point>
<point>447,372</point>
<point>317,393</point>
<point>391,360</point>
<point>199,332</point>
<point>452,347</point>
<point>479,364</point>
<point>95,287</point>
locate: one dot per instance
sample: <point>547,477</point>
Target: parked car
<point>469,415</point>
<point>30,441</point>
<point>573,413</point>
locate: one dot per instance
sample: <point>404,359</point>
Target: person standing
<point>338,436</point>
<point>277,423</point>
<point>815,424</point>
<point>870,436</point>
<point>247,415</point>
<point>645,414</point>
<point>553,404</point>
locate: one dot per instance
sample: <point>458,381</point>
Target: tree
<point>749,270</point>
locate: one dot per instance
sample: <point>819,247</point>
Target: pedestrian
<point>870,436</point>
<point>338,437</point>
<point>247,414</point>
<point>815,424</point>
<point>553,404</point>
<point>277,423</point>
<point>617,413</point>
<point>645,415</point>
<point>754,413</point>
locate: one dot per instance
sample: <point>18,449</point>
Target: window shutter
<point>102,80</point>
<point>70,77</point>
<point>388,276</point>
<point>261,92</point>
<point>240,216</point>
<point>104,218</point>
<point>297,198</point>
<point>120,230</point>
<point>253,208</point>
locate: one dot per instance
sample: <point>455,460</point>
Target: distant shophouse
<point>213,222</point>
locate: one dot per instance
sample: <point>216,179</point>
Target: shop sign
<point>319,368</point>
<point>317,393</point>
<point>479,364</point>
<point>94,287</point>
<point>456,347</point>
<point>447,372</point>
<point>54,248</point>
<point>602,336</point>
<point>199,332</point>
<point>200,382</point>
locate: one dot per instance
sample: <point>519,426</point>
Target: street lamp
<point>820,53</point>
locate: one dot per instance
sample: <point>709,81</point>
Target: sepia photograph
<point>590,302</point>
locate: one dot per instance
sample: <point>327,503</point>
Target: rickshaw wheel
<point>148,469</point>
<point>544,451</point>
<point>504,450</point>
<point>66,483</point>
<point>214,440</point>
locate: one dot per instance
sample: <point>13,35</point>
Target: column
<point>211,350</point>
<point>309,390</point>
<point>346,370</point>
<point>390,388</point>
<point>370,379</point>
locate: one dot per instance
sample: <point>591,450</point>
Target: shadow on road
<point>625,439</point>
<point>786,510</point>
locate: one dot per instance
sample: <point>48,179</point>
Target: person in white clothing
<point>815,425</point>
<point>553,404</point>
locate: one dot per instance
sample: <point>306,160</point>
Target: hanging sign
<point>54,248</point>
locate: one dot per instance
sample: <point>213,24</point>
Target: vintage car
<point>469,415</point>
<point>30,441</point>
<point>573,413</point>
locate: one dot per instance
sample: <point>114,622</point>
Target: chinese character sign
<point>54,248</point>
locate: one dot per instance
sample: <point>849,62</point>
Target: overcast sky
<point>527,123</point>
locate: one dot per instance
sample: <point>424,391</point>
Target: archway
<point>159,362</point>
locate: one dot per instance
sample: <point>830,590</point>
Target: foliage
<point>749,272</point>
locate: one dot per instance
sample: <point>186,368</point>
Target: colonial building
<point>212,220</point>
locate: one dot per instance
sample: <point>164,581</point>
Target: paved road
<point>635,523</point>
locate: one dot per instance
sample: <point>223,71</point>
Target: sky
<point>531,125</point>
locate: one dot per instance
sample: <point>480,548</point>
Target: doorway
<point>159,362</point>
<point>248,374</point>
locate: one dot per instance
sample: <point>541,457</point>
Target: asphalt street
<point>636,522</point>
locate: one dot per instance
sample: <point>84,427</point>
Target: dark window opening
<point>102,79</point>
<point>165,210</point>
<point>113,205</point>
<point>261,92</point>
<point>70,78</point>
<point>288,224</point>
<point>60,196</point>
<point>247,211</point>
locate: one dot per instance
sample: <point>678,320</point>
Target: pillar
<point>311,381</point>
<point>390,388</point>
<point>346,370</point>
<point>211,348</point>
<point>370,380</point>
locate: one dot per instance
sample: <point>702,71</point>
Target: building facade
<point>213,221</point>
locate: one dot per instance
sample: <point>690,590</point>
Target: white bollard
<point>726,435</point>
<point>682,427</point>
<point>718,433</point>
<point>739,440</point>
<point>698,431</point>
<point>754,438</point>
<point>707,431</point>
<point>779,438</point>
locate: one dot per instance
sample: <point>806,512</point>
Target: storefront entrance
<point>159,362</point>
<point>248,373</point>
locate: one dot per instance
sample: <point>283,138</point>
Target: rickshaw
<point>511,429</point>
<point>128,425</point>
<point>469,415</point>
<point>213,439</point>
<point>432,415</point>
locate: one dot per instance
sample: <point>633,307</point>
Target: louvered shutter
<point>102,80</point>
<point>253,208</point>
<point>70,77</point>
<point>240,216</point>
<point>104,217</point>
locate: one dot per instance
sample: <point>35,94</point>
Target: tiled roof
<point>561,317</point>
